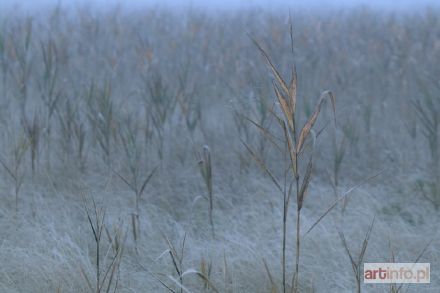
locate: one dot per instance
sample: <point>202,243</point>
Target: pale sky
<point>215,4</point>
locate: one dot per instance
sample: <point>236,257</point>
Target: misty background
<point>159,124</point>
<point>231,4</point>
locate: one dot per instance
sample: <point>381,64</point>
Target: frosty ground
<point>93,102</point>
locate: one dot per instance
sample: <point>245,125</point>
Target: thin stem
<point>284,246</point>
<point>358,285</point>
<point>298,217</point>
<point>97,267</point>
<point>298,242</point>
<point>285,211</point>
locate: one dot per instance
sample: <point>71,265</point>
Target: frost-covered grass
<point>93,103</point>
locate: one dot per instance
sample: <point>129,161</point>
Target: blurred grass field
<point>123,157</point>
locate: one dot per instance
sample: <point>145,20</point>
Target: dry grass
<point>294,141</point>
<point>205,167</point>
<point>118,102</point>
<point>107,263</point>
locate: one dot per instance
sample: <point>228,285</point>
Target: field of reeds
<point>163,150</point>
